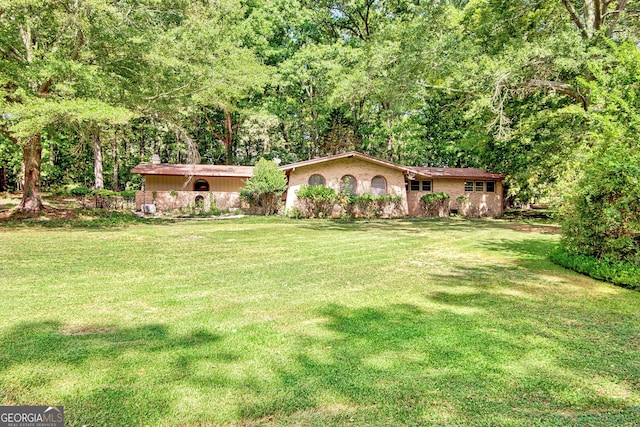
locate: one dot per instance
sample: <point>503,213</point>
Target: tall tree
<point>55,68</point>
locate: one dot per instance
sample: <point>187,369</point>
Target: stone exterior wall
<point>362,171</point>
<point>480,203</point>
<point>164,201</point>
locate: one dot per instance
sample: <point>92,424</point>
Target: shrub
<point>295,213</point>
<point>316,201</point>
<point>602,210</point>
<point>104,193</point>
<point>602,216</point>
<point>620,273</point>
<point>59,191</point>
<point>435,204</point>
<point>375,206</point>
<point>346,200</point>
<point>80,191</point>
<point>263,190</point>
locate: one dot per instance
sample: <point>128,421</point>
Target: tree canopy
<point>520,87</point>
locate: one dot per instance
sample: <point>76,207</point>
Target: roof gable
<point>348,155</point>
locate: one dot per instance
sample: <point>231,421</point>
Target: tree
<point>55,68</point>
<point>263,190</point>
<point>603,204</point>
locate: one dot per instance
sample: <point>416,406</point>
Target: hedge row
<point>620,273</point>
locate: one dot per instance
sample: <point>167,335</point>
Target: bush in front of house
<point>374,206</point>
<point>263,190</point>
<point>435,204</point>
<point>316,201</point>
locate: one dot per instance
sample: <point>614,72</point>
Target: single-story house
<point>170,187</point>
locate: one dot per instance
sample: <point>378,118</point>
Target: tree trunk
<point>3,179</point>
<point>115,162</point>
<point>32,155</point>
<point>97,159</point>
<point>228,136</point>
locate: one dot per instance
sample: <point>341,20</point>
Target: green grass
<point>264,321</point>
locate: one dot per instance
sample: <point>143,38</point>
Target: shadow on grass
<point>477,358</point>
<point>527,248</point>
<point>116,398</point>
<point>407,225</point>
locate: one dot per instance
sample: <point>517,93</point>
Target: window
<point>348,184</point>
<point>316,179</point>
<point>201,185</point>
<point>468,186</point>
<point>480,186</point>
<point>378,186</point>
<point>420,185</point>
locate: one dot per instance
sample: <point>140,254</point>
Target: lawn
<point>279,322</point>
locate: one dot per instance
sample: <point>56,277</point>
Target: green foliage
<point>376,206</point>
<point>104,193</point>
<point>602,211</point>
<point>108,199</point>
<point>295,213</point>
<point>263,190</point>
<point>435,204</point>
<point>80,191</point>
<point>602,215</point>
<point>621,273</point>
<point>316,201</point>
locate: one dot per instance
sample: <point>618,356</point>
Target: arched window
<point>348,184</point>
<point>316,179</point>
<point>201,185</point>
<point>378,186</point>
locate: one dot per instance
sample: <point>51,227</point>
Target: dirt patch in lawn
<point>47,213</point>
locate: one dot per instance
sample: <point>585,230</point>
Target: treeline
<point>89,88</point>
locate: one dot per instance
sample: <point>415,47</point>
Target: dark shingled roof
<point>194,170</point>
<point>470,173</point>
<point>247,171</point>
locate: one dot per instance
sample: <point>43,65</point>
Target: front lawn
<point>263,321</point>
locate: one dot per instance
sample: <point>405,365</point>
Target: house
<point>173,186</point>
<point>170,187</point>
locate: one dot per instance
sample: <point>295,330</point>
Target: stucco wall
<point>177,183</point>
<point>333,171</point>
<point>487,204</point>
